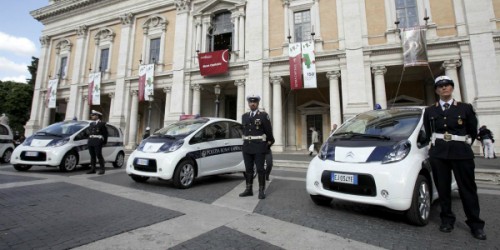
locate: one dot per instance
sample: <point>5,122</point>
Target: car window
<point>82,135</point>
<point>3,130</point>
<point>66,128</point>
<point>235,130</point>
<point>182,128</point>
<point>112,131</point>
<point>220,129</point>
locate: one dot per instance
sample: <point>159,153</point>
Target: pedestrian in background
<point>257,137</point>
<point>314,140</point>
<point>98,137</point>
<point>452,127</point>
<point>486,138</point>
<point>334,127</point>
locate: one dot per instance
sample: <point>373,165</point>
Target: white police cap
<point>96,113</point>
<point>253,98</point>
<point>441,80</point>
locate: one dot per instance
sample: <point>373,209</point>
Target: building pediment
<point>313,105</point>
<point>404,100</point>
<point>214,6</point>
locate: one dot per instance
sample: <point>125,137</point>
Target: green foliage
<point>32,69</point>
<point>15,102</point>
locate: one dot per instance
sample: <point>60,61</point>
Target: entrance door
<point>315,121</point>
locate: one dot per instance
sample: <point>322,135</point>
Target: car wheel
<point>6,156</point>
<point>321,200</point>
<point>138,178</point>
<point>418,214</point>
<point>69,162</point>
<point>184,174</point>
<point>22,167</point>
<point>120,160</point>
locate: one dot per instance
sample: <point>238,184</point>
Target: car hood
<point>356,151</point>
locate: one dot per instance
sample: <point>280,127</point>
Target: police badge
<point>257,123</point>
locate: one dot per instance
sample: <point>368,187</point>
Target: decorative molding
<point>111,95</point>
<point>379,70</point>
<point>155,22</point>
<point>127,19</point>
<point>44,41</point>
<point>167,89</point>
<point>196,87</point>
<point>104,35</point>
<point>276,79</point>
<point>134,92</point>
<point>333,75</point>
<point>63,45</point>
<point>182,5</point>
<point>239,83</point>
<point>452,64</point>
<point>81,31</point>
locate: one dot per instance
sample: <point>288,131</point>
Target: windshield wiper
<point>165,136</point>
<point>352,134</point>
<point>48,133</point>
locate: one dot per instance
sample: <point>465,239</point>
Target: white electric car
<point>188,149</point>
<point>380,158</point>
<point>6,143</point>
<point>64,145</point>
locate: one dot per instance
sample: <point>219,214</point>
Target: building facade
<point>358,58</point>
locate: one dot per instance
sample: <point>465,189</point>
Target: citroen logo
<point>349,155</point>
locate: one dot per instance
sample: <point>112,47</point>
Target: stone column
<point>286,5</point>
<point>241,39</point>
<point>277,115</point>
<point>198,34</point>
<point>450,68</point>
<point>85,115</point>
<point>78,70</point>
<point>133,120</point>
<point>167,91</point>
<point>317,23</point>
<point>335,106</point>
<point>236,23</point>
<point>380,95</point>
<point>46,116</point>
<point>196,98</point>
<point>204,27</point>
<point>291,135</point>
<point>240,99</point>
<point>111,103</point>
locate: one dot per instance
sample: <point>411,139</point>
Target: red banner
<point>90,89</point>
<point>213,63</point>
<point>295,61</point>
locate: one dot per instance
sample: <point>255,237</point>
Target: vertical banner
<point>309,65</point>
<point>96,89</point>
<point>52,93</point>
<point>146,79</point>
<point>90,88</point>
<point>414,47</point>
<point>213,63</point>
<point>295,62</point>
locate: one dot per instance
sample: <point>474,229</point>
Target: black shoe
<point>446,228</point>
<point>248,191</point>
<point>91,172</point>
<point>262,195</point>
<point>478,234</point>
<point>101,171</point>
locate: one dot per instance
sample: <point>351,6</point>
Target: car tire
<point>119,161</point>
<point>184,174</point>
<point>419,211</point>
<point>22,168</point>
<point>321,200</point>
<point>138,178</point>
<point>6,156</point>
<point>69,162</point>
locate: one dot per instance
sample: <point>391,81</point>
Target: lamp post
<point>151,99</point>
<point>217,93</point>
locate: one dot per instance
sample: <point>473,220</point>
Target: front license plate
<point>345,178</point>
<point>142,162</point>
<point>32,154</point>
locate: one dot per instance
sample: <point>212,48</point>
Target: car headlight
<point>398,152</point>
<point>141,146</point>
<point>167,147</point>
<point>58,142</point>
<point>28,140</point>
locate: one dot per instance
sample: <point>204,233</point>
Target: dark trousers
<point>464,175</point>
<point>96,152</point>
<point>257,160</point>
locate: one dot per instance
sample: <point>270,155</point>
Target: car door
<point>81,140</point>
<point>231,145</point>
<point>109,150</point>
<point>206,149</point>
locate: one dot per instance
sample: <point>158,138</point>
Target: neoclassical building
<point>358,59</point>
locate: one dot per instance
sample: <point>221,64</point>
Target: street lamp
<point>217,93</point>
<point>151,99</point>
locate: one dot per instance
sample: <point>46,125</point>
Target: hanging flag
<point>96,89</point>
<point>213,63</point>
<point>295,62</point>
<point>90,88</point>
<point>414,47</point>
<point>146,79</point>
<point>52,93</point>
<point>309,65</point>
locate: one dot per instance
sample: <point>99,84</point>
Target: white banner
<point>146,79</point>
<point>414,47</point>
<point>96,89</point>
<point>52,93</point>
<point>309,65</point>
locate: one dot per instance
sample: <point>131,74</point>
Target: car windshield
<point>394,124</point>
<point>181,128</point>
<point>63,129</point>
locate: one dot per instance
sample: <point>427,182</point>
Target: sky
<point>19,38</point>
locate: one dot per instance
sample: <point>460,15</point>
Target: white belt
<point>258,137</point>
<point>449,137</point>
<point>96,136</point>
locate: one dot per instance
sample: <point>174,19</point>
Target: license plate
<point>142,162</point>
<point>345,178</point>
<point>32,154</point>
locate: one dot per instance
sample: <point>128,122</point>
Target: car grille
<point>366,185</point>
<point>42,156</point>
<point>151,167</point>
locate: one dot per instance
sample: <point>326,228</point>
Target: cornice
<point>65,6</point>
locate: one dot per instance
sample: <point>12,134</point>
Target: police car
<point>6,143</point>
<point>64,145</point>
<point>189,149</point>
<point>380,158</point>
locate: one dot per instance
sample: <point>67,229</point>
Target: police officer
<point>98,137</point>
<point>452,127</point>
<point>257,137</point>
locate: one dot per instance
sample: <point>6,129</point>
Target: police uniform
<point>98,137</point>
<point>257,136</point>
<point>452,129</point>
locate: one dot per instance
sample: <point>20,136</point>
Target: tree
<point>15,102</point>
<point>32,69</point>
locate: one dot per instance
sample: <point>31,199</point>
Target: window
<point>3,130</point>
<point>103,65</point>
<point>222,32</point>
<point>235,130</point>
<point>407,13</point>
<point>154,50</point>
<point>112,131</point>
<point>302,25</point>
<point>62,67</point>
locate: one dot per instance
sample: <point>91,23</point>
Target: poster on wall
<point>295,63</point>
<point>414,47</point>
<point>213,63</point>
<point>96,89</point>
<point>146,79</point>
<point>52,93</point>
<point>309,65</point>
